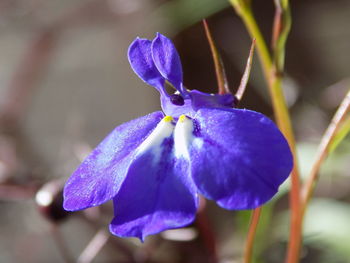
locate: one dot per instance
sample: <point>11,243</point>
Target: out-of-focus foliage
<point>180,14</point>
<point>327,225</point>
<point>85,88</point>
<point>341,135</point>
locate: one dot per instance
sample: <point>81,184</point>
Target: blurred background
<point>65,82</point>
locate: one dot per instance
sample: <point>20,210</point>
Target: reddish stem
<point>206,232</point>
<point>248,253</point>
<point>223,87</point>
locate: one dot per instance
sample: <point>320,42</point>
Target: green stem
<point>254,32</point>
<point>273,75</point>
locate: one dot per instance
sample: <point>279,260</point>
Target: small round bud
<point>50,201</point>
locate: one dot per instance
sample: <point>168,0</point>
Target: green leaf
<point>340,135</point>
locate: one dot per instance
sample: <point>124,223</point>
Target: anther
<point>168,118</point>
<point>182,118</point>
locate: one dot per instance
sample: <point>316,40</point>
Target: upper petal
<point>242,158</point>
<point>158,193</point>
<point>167,61</point>
<point>204,100</point>
<point>99,177</point>
<point>141,61</point>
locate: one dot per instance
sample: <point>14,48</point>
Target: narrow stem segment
<point>94,247</point>
<point>263,51</point>
<point>272,70</point>
<point>324,149</point>
<point>277,24</point>
<point>223,87</point>
<point>206,232</point>
<point>60,243</point>
<point>248,253</point>
<point>246,74</point>
<point>272,76</point>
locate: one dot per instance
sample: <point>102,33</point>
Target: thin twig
<point>277,24</point>
<point>61,244</point>
<point>324,148</point>
<point>273,69</point>
<point>281,28</point>
<point>223,87</point>
<point>94,247</point>
<point>206,231</point>
<point>248,252</point>
<point>246,74</point>
<point>117,243</point>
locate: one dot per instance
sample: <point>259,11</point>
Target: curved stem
<point>248,253</point>
<point>255,33</point>
<point>223,87</point>
<point>324,149</point>
<point>273,76</point>
<point>94,247</point>
<point>244,81</point>
<point>60,243</point>
<point>206,232</point>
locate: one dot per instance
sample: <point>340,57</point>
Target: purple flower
<point>155,166</point>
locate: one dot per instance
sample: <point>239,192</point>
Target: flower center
<point>183,136</point>
<point>154,141</point>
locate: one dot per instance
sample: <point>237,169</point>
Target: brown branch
<point>223,87</point>
<point>246,74</point>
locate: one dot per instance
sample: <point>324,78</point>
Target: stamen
<point>168,118</point>
<point>182,118</point>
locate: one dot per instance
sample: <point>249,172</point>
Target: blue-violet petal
<point>99,178</point>
<point>141,61</point>
<point>158,193</point>
<point>242,158</point>
<point>167,61</point>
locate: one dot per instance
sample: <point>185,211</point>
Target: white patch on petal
<point>183,136</point>
<point>198,143</point>
<point>153,142</point>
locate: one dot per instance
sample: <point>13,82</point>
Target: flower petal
<point>99,177</point>
<point>141,61</point>
<point>242,158</point>
<point>167,61</point>
<point>158,194</point>
<point>205,100</point>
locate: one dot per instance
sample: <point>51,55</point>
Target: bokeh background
<point>65,82</point>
